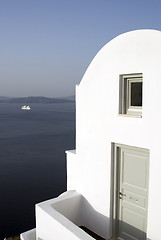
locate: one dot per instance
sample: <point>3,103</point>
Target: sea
<point>32,160</point>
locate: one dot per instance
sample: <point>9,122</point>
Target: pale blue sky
<point>47,45</point>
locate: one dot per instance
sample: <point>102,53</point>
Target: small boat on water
<point>25,107</point>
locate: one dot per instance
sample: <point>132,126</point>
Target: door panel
<point>132,197</point>
<point>134,165</point>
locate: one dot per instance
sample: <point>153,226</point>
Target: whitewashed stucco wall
<point>98,123</point>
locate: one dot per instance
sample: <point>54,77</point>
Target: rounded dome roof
<point>127,53</point>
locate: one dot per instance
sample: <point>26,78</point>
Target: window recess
<point>130,99</point>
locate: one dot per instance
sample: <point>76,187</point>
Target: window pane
<point>136,94</point>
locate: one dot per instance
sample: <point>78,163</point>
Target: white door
<point>132,166</point>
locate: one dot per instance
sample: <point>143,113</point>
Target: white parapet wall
<point>29,235</point>
<point>52,224</point>
<point>60,218</point>
<point>71,169</point>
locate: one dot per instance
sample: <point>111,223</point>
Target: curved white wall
<point>98,123</point>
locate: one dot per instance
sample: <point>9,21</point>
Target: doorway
<point>130,192</point>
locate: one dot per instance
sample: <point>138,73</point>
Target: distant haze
<point>46,46</point>
<point>36,100</point>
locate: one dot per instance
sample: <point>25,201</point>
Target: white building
<point>115,171</point>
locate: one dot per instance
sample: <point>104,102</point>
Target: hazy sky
<point>47,45</point>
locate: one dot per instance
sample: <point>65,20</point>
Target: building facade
<point>113,175</point>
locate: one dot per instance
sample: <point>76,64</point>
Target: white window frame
<point>125,106</point>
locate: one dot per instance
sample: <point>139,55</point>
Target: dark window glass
<point>136,94</point>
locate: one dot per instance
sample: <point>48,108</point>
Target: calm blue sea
<point>32,160</point>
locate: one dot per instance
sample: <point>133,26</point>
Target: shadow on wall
<point>79,211</point>
<point>128,232</point>
<point>98,224</point>
<point>94,220</point>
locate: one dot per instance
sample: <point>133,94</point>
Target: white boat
<point>25,107</point>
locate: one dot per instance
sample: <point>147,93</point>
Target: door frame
<point>115,176</point>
